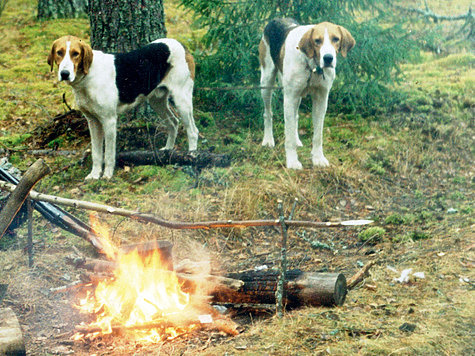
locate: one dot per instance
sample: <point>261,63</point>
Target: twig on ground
<point>360,275</point>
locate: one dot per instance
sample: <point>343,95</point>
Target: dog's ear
<point>87,56</point>
<point>307,45</point>
<point>347,41</point>
<point>51,55</point>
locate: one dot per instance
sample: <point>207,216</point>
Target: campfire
<point>140,296</point>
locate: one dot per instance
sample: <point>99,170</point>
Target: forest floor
<point>410,170</point>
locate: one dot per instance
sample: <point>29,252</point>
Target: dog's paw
<point>294,164</point>
<point>108,173</point>
<point>320,161</point>
<point>93,176</point>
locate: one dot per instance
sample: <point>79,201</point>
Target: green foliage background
<point>234,29</point>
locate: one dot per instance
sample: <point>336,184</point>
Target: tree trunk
<point>56,9</point>
<point>124,25</point>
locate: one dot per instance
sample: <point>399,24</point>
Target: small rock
<point>75,191</point>
<point>407,327</point>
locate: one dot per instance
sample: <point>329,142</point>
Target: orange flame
<point>142,298</point>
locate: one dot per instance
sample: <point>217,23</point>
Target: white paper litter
<point>205,319</point>
<point>406,275</point>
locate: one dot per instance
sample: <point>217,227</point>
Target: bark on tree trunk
<point>56,9</point>
<point>124,25</point>
<point>301,288</point>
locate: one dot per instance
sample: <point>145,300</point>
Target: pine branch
<point>428,13</point>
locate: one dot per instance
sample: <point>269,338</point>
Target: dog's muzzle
<point>64,74</point>
<point>328,60</point>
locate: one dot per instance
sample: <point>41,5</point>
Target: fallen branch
<point>225,325</point>
<point>20,192</point>
<point>56,215</point>
<point>359,276</point>
<point>150,218</point>
<point>198,159</point>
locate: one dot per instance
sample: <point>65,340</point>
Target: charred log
<point>198,159</point>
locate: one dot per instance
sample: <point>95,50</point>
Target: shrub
<point>374,233</point>
<point>235,29</point>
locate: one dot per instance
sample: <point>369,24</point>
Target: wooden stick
<point>150,218</point>
<point>279,293</point>
<point>227,326</point>
<point>30,233</point>
<point>20,192</point>
<point>163,324</point>
<point>360,275</point>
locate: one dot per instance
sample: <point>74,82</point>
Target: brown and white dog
<point>106,85</point>
<point>305,58</point>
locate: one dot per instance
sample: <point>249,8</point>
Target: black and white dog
<point>305,58</point>
<point>106,85</point>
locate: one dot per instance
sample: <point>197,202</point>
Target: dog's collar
<point>315,68</point>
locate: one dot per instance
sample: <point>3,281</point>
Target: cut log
<point>36,171</point>
<point>301,289</point>
<point>198,159</point>
<point>11,339</point>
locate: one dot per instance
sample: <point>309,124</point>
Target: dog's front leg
<point>97,139</point>
<point>110,133</point>
<point>319,108</point>
<point>291,106</point>
<point>267,81</point>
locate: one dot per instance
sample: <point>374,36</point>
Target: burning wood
<point>137,292</point>
<point>102,269</point>
<point>252,287</point>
